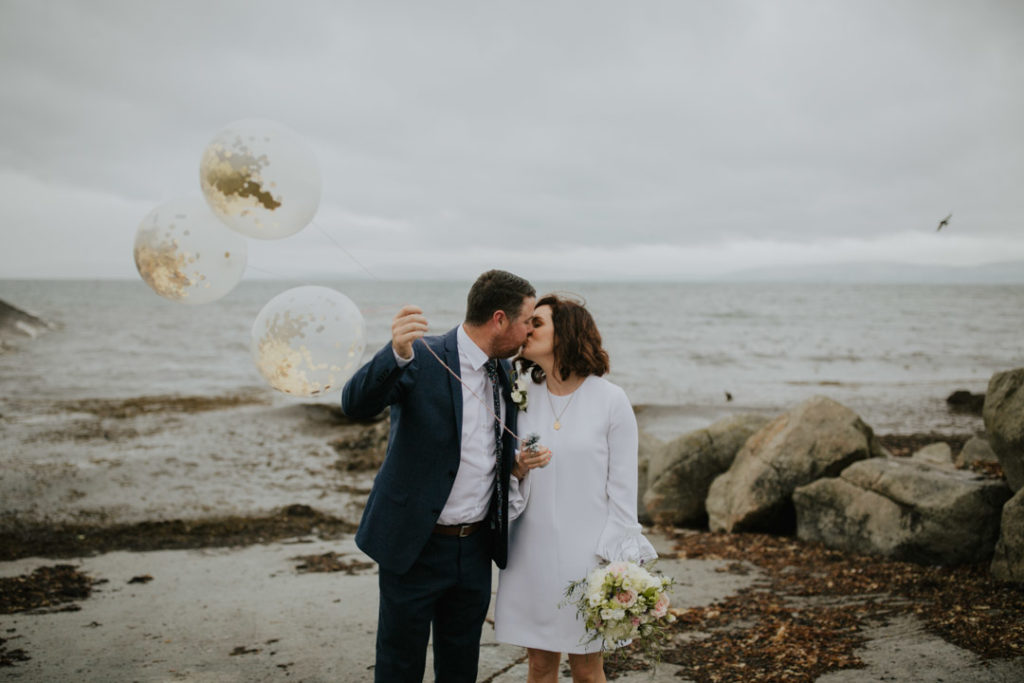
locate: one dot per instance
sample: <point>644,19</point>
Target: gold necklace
<point>558,417</point>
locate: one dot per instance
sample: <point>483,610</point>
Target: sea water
<point>893,353</point>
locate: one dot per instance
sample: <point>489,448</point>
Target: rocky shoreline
<point>17,325</point>
<point>820,473</point>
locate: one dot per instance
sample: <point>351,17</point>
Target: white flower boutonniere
<point>520,382</point>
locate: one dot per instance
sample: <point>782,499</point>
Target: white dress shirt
<point>471,492</point>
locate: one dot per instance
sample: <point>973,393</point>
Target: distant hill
<point>1006,272</point>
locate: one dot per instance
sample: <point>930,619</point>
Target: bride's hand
<point>526,460</point>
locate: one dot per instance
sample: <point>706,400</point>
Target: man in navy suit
<point>433,521</point>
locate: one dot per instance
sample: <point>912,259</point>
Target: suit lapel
<point>511,409</point>
<point>451,357</point>
<point>506,383</point>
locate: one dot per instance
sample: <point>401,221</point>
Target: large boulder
<point>818,438</point>
<point>904,510</point>
<point>1004,423</point>
<point>680,478</point>
<point>1008,560</point>
<point>650,451</point>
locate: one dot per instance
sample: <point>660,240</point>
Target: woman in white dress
<point>581,507</point>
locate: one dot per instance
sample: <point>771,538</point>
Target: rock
<point>1004,423</point>
<point>935,454</point>
<point>650,451</point>
<point>680,479</point>
<point>976,450</point>
<point>818,438</point>
<point>1008,561</point>
<point>904,510</point>
<point>18,324</point>
<point>963,401</point>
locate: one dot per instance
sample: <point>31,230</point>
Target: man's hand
<point>528,459</point>
<point>408,325</point>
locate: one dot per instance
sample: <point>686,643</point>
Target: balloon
<point>261,179</point>
<point>308,340</point>
<point>186,254</point>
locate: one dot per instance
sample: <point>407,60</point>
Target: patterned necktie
<point>501,504</point>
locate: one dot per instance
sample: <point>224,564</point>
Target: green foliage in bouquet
<point>622,602</point>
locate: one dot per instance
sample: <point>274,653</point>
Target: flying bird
<point>728,396</point>
<point>944,222</point>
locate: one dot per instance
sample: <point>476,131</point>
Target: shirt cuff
<point>402,362</point>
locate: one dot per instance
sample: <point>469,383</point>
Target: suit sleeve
<point>378,384</point>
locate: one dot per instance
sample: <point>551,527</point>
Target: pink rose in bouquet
<point>626,598</point>
<point>660,606</point>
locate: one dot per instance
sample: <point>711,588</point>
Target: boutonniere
<point>520,382</point>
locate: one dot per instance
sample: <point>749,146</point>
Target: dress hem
<point>574,650</point>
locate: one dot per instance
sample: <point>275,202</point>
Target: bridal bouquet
<point>622,601</point>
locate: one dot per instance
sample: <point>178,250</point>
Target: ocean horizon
<point>891,352</point>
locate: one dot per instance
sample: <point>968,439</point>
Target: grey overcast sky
<point>573,139</point>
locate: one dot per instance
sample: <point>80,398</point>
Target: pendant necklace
<point>558,416</point>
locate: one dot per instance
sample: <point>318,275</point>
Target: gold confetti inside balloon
<point>308,340</point>
<point>261,179</point>
<point>186,254</point>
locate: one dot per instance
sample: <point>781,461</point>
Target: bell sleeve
<point>518,495</point>
<point>622,538</point>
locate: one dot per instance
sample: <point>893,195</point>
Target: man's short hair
<point>496,290</point>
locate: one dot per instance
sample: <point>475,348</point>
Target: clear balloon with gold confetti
<point>308,340</point>
<point>185,254</point>
<point>261,179</point>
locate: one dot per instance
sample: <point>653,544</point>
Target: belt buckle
<point>463,530</point>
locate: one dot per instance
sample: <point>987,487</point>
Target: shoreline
<point>108,463</point>
<point>20,538</point>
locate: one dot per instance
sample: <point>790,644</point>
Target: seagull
<point>944,222</point>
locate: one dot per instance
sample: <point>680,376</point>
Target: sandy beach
<point>210,539</point>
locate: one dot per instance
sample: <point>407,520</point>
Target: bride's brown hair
<point>576,343</point>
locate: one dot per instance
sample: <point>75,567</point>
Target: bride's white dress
<point>581,510</point>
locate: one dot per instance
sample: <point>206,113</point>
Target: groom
<point>432,521</point>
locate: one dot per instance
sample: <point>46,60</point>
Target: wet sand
<point>240,509</point>
<point>256,613</point>
<point>105,462</point>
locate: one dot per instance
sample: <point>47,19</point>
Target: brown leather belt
<point>460,530</point>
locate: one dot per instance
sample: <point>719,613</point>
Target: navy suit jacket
<point>423,453</point>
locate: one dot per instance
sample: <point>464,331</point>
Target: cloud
<point>629,263</point>
<point>60,231</point>
<point>456,128</point>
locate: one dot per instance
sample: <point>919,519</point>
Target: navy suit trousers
<point>449,587</point>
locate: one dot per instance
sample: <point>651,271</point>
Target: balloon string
<point>264,270</point>
<point>346,251</point>
<point>466,386</point>
<point>436,357</point>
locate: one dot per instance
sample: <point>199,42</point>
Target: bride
<point>582,506</point>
